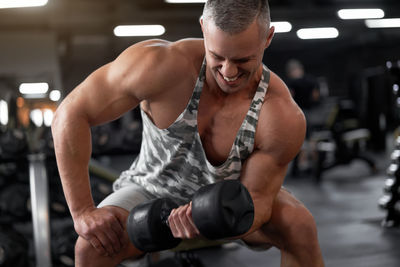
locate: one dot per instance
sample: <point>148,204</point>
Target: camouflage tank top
<point>172,161</point>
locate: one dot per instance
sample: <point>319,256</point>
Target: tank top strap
<point>259,96</point>
<point>244,141</point>
<point>192,107</point>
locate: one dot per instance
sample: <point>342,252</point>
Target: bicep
<point>263,176</point>
<point>264,171</point>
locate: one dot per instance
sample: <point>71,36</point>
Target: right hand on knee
<point>103,228</point>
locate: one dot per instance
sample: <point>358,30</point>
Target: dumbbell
<point>221,210</point>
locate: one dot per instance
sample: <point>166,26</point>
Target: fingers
<point>97,245</point>
<point>112,235</point>
<point>120,234</point>
<point>113,245</point>
<point>119,228</point>
<point>181,223</point>
<point>106,243</point>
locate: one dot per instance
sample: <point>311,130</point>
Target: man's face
<point>233,60</point>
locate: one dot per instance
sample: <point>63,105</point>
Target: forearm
<point>264,191</point>
<point>262,210</point>
<point>72,142</point>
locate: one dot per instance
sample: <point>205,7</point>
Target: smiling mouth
<point>230,79</point>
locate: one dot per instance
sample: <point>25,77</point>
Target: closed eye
<point>242,60</point>
<point>218,57</point>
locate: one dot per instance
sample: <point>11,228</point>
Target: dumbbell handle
<point>165,217</point>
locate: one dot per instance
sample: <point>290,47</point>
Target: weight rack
<point>390,201</point>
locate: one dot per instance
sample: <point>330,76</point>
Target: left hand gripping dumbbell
<point>221,210</point>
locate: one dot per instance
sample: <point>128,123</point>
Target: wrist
<point>75,213</point>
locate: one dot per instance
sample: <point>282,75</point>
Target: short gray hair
<point>234,16</point>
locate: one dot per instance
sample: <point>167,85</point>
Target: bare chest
<point>218,125</point>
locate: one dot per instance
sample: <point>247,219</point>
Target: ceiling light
<point>371,13</point>
<point>55,95</point>
<point>22,3</point>
<point>3,112</point>
<point>139,30</point>
<point>33,88</point>
<point>35,96</point>
<point>383,23</point>
<point>48,116</point>
<point>318,33</point>
<point>36,116</point>
<point>282,26</point>
<point>185,1</point>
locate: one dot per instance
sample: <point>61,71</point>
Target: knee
<point>83,249</point>
<point>300,228</point>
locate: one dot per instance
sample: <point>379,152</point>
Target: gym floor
<point>348,218</point>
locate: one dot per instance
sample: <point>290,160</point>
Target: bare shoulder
<point>281,126</point>
<point>153,65</point>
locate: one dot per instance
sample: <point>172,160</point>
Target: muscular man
<point>211,111</point>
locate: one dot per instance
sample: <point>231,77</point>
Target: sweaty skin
<point>160,76</point>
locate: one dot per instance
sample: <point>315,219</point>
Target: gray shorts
<point>127,197</point>
<point>132,195</point>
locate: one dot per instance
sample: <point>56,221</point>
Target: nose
<point>229,69</point>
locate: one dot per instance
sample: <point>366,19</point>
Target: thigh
<point>126,197</point>
<point>285,209</point>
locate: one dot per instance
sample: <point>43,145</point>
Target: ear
<point>270,35</point>
<point>201,23</point>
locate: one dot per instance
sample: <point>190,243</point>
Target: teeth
<point>230,79</point>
